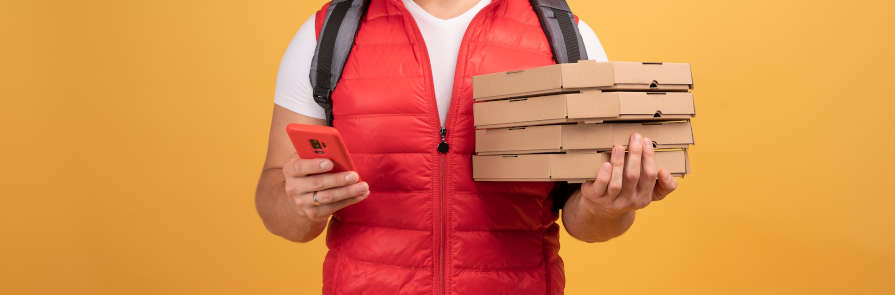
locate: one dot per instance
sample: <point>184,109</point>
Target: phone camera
<point>315,144</point>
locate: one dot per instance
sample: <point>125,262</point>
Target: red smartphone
<point>315,141</point>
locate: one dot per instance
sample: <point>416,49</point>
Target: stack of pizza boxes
<point>560,122</point>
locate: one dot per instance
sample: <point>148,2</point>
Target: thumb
<point>664,186</point>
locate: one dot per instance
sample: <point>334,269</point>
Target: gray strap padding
<point>561,30</point>
<point>343,18</point>
<point>334,43</point>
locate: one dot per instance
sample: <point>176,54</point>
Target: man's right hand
<point>284,197</point>
<point>334,190</point>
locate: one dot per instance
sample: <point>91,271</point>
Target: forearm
<point>583,223</point>
<point>278,212</point>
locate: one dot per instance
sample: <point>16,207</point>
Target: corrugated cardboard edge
<point>669,76</point>
<point>685,158</point>
<point>584,103</point>
<point>530,94</point>
<point>585,74</point>
<point>488,167</point>
<point>526,123</point>
<point>578,137</point>
<point>485,86</point>
<point>552,163</point>
<point>575,104</point>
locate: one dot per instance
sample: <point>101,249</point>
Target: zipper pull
<point>443,145</point>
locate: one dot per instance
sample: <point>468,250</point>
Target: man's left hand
<point>624,185</point>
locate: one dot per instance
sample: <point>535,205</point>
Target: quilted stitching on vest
<point>500,238</point>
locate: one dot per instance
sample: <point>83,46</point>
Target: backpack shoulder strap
<point>343,17</point>
<point>561,30</point>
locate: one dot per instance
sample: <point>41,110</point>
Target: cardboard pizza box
<point>566,137</point>
<point>586,74</point>
<point>584,106</point>
<point>571,167</point>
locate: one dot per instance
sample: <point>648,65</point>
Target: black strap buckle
<point>322,96</point>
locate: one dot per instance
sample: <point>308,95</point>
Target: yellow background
<point>133,133</point>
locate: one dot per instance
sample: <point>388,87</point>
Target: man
<point>411,220</point>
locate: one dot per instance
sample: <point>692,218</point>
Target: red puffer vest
<point>427,227</point>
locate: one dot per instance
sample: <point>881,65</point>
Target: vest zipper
<point>443,148</point>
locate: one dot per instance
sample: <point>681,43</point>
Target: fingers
<point>598,187</point>
<point>617,160</point>
<point>648,172</point>
<point>324,211</point>
<point>341,193</point>
<point>632,164</point>
<point>325,181</point>
<point>331,200</point>
<point>297,167</point>
<point>665,185</point>
<point>334,190</point>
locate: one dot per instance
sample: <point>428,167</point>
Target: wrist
<point>593,220</point>
<point>600,210</point>
<point>615,217</point>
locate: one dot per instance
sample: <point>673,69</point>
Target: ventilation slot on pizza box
<point>658,114</point>
<point>654,84</point>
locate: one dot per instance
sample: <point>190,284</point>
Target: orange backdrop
<point>133,133</point>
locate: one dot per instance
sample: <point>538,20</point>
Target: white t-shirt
<point>442,37</point>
